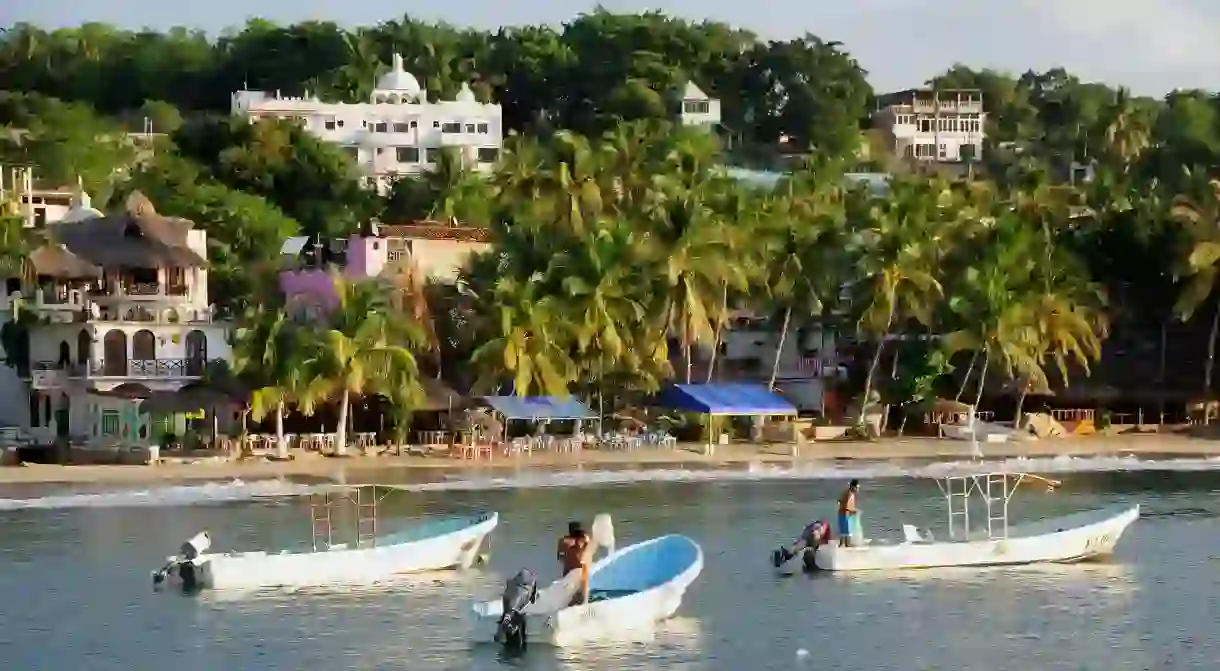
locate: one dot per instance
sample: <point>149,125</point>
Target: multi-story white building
<point>945,126</point>
<point>699,109</point>
<point>398,131</point>
<point>122,311</point>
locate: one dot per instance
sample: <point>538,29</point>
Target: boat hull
<point>347,566</point>
<point>1060,540</point>
<point>625,616</point>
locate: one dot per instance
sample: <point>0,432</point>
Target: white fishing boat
<point>630,591</point>
<point>366,557</point>
<point>1069,538</point>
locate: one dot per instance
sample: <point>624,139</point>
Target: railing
<point>175,290</point>
<point>142,289</point>
<point>155,368</point>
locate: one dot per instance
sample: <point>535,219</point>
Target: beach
<point>363,469</point>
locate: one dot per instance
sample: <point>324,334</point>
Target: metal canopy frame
<point>357,506</point>
<point>996,490</point>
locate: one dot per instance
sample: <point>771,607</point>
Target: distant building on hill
<point>437,251</point>
<point>399,131</point>
<point>935,126</point>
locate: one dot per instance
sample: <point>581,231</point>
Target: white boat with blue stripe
<point>630,591</point>
<point>367,557</point>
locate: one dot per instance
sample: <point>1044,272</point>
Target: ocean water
<point>75,569</point>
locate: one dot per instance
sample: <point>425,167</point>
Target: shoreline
<point>360,469</point>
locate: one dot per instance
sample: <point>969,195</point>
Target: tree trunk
<point>724,312</point>
<point>978,396</point>
<point>779,350</point>
<point>966,380</point>
<point>281,444</point>
<point>1016,423</point>
<point>872,367</point>
<point>1209,366</point>
<point>1161,374</point>
<point>341,430</point>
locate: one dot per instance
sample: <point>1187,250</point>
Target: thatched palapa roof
<point>136,238</point>
<point>55,260</point>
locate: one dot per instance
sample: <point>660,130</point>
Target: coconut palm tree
<point>1200,269</point>
<point>897,241</point>
<point>365,346</point>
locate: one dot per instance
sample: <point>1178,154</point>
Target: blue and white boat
<point>424,545</point>
<point>630,590</point>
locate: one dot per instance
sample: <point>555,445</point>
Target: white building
<point>399,131</point>
<point>699,109</point>
<point>809,363</point>
<point>945,126</point>
<point>122,311</point>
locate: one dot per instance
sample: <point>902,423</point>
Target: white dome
<point>465,95</point>
<point>82,206</point>
<point>398,80</point>
<point>80,213</point>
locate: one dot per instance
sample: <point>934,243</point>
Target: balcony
<point>137,368</point>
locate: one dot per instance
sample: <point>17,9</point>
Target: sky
<point>1150,46</point>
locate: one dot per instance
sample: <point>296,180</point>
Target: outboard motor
<point>184,563</point>
<point>815,534</point>
<point>520,591</point>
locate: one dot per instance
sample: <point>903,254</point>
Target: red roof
<point>433,230</point>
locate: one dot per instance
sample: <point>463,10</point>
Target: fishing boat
<point>366,557</point>
<point>630,591</point>
<point>1071,538</point>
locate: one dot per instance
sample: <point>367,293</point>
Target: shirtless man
<point>572,555</point>
<point>848,512</point>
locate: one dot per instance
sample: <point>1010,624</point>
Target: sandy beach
<point>360,469</point>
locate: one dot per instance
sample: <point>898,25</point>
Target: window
<point>408,154</point>
<point>943,151</point>
<point>469,128</point>
<point>329,124</point>
<point>110,422</point>
<point>431,155</point>
<point>696,107</point>
<point>488,154</point>
<point>925,125</point>
<point>436,124</point>
<point>339,123</point>
<point>482,128</point>
<point>381,127</point>
<point>401,127</point>
<point>451,127</point>
<point>353,152</point>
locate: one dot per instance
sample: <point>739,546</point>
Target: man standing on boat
<point>573,555</point>
<point>849,514</point>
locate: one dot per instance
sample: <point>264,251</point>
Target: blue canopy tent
<point>540,408</point>
<point>724,400</point>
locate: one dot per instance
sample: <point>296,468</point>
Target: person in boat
<point>848,513</point>
<point>573,556</point>
<point>816,533</point>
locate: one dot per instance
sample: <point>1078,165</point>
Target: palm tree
<point>1200,269</point>
<point>367,347</point>
<point>280,354</point>
<point>897,241</point>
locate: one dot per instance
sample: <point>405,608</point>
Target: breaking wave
<point>166,495</point>
<point>240,490</point>
<point>758,471</point>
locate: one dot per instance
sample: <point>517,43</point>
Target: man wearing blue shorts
<point>848,513</point>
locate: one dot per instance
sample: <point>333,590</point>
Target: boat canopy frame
<point>995,488</point>
<point>356,505</point>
